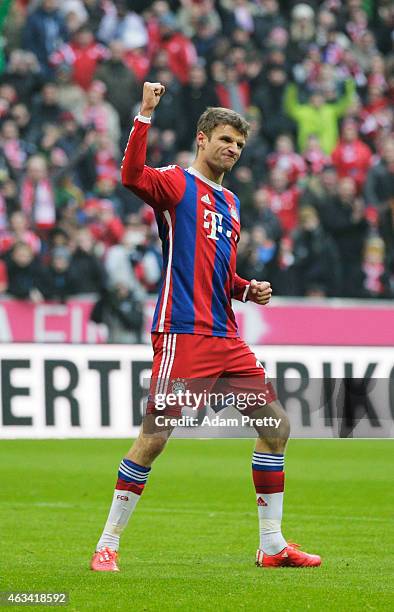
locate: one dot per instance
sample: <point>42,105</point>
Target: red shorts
<point>205,364</point>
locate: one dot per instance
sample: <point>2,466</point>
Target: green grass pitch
<point>191,542</point>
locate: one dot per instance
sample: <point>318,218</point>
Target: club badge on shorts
<point>178,385</point>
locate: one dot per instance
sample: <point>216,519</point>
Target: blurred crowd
<point>314,79</point>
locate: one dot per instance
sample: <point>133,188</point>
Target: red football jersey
<point>199,226</point>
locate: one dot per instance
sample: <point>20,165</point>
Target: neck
<point>210,173</point>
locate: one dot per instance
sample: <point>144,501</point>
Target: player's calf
<point>146,448</point>
<point>272,438</point>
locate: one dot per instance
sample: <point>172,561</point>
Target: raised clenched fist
<point>151,95</point>
<point>259,292</point>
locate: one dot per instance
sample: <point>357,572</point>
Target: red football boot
<point>288,557</point>
<point>104,560</point>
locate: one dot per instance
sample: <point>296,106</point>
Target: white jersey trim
<point>167,216</point>
<point>167,374</point>
<point>143,119</point>
<point>203,178</point>
<point>167,360</point>
<point>166,363</point>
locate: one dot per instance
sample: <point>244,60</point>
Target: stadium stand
<point>314,79</point>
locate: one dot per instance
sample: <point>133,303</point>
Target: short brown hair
<point>217,115</point>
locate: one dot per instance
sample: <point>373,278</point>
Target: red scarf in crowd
<point>38,202</point>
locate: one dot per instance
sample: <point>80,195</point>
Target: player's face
<point>223,149</point>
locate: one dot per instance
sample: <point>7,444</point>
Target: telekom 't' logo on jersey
<point>213,222</point>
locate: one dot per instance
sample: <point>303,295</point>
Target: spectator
<point>190,14</point>
<point>85,266</point>
<point>72,97</point>
<point>352,157</point>
<point>365,49</point>
<point>196,96</point>
<point>376,115</point>
<point>205,36</point>
<point>46,108</point>
<point>121,24</point>
<point>256,147</point>
<point>167,116</point>
<point>69,138</point>
<point>9,201</point>
<point>267,18</point>
<point>241,182</point>
<point>314,157</point>
<point>76,9</point>
<point>123,90</point>
<point>37,195</point>
<point>139,62</point>
<point>118,264</point>
<point>321,190</point>
<point>59,282</point>
<point>262,214</point>
<point>106,161</point>
<point>99,114</point>
<point>283,200</point>
<point>234,91</point>
<point>258,256</point>
<point>25,274</point>
<point>22,117</point>
<point>374,277</point>
<point>121,310</point>
<point>15,149</point>
<point>107,188</point>
<point>58,237</point>
<point>316,257</point>
<point>44,33</point>
<point>106,228</point>
<point>179,49</point>
<point>144,254</point>
<point>379,186</point>
<point>285,282</point>
<point>302,31</point>
<point>269,98</point>
<point>386,230</point>
<point>19,232</point>
<point>82,54</point>
<point>286,159</point>
<point>95,13</point>
<point>23,73</point>
<point>345,221</point>
<point>68,197</point>
<point>317,117</point>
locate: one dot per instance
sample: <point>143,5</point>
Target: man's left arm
<point>253,291</point>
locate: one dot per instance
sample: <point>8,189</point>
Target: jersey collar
<point>203,178</point>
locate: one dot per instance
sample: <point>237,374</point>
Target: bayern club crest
<point>178,385</point>
<point>233,213</point>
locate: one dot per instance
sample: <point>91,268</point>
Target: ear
<point>202,139</point>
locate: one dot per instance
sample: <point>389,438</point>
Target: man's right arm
<point>161,188</point>
<point>291,104</point>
